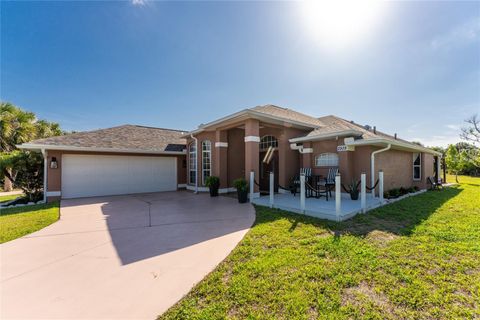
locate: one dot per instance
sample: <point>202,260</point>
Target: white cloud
<point>139,3</point>
<point>453,127</point>
<point>465,33</point>
<point>439,140</point>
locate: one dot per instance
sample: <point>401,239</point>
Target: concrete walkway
<point>102,260</point>
<point>10,193</point>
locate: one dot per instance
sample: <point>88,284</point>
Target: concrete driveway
<point>103,260</point>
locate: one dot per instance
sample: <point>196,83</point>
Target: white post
<point>380,185</point>
<point>363,192</point>
<point>45,168</point>
<point>272,190</point>
<point>439,159</point>
<point>302,193</point>
<point>252,184</point>
<point>338,196</point>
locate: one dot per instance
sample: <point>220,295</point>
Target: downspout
<point>372,166</point>
<point>45,167</point>
<point>196,164</point>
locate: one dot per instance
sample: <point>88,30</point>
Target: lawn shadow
<point>399,218</point>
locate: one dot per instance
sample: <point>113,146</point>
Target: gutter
<point>394,143</point>
<point>343,133</point>
<point>372,166</point>
<point>300,148</point>
<point>28,146</point>
<point>196,164</point>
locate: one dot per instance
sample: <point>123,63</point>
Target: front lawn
<point>19,221</point>
<point>417,258</point>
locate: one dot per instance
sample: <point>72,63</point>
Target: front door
<point>265,169</point>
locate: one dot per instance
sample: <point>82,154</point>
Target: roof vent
<point>367,127</point>
<point>395,136</point>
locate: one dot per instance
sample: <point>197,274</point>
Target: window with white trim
<point>206,160</point>
<point>327,159</point>
<point>268,141</point>
<point>417,166</point>
<point>192,162</point>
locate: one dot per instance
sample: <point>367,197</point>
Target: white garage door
<point>95,175</point>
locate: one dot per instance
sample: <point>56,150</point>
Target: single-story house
<point>135,159</point>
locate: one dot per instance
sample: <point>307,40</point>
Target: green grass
<point>20,221</point>
<point>9,197</point>
<point>418,258</point>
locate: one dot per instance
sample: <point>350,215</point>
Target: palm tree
<point>18,126</point>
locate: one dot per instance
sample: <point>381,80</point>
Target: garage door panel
<point>95,175</point>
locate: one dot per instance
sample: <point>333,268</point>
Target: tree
<point>18,126</point>
<point>472,132</point>
<point>452,160</point>
<point>29,172</point>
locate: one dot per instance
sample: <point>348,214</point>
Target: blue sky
<point>88,65</point>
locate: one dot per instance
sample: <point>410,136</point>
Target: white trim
<point>252,139</point>
<point>397,143</point>
<point>33,146</point>
<point>45,175</point>
<point>181,185</point>
<point>221,144</point>
<point>307,150</point>
<point>54,193</point>
<point>326,136</point>
<point>205,189</point>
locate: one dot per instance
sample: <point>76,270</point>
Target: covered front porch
<point>319,208</point>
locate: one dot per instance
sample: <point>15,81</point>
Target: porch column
<point>221,157</point>
<point>252,139</point>
<point>307,155</point>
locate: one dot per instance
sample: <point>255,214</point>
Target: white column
<point>338,196</point>
<point>302,193</point>
<point>363,192</point>
<point>272,190</point>
<point>252,184</point>
<point>380,185</point>
<point>439,168</point>
<point>45,174</point>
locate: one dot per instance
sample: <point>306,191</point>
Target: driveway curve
<point>116,257</point>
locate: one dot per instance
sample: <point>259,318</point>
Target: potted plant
<point>213,183</point>
<point>353,189</point>
<point>242,189</point>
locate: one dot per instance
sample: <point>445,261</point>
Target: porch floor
<point>319,208</point>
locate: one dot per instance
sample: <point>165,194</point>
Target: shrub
<point>212,181</point>
<point>240,184</point>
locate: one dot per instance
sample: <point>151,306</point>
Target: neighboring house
<point>132,159</point>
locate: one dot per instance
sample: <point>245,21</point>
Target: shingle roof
<point>126,137</point>
<point>288,114</point>
<point>334,124</point>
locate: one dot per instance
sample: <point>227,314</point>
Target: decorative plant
<point>353,189</point>
<point>242,189</point>
<point>213,183</point>
<point>240,184</point>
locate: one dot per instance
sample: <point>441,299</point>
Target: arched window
<point>192,162</point>
<point>268,141</point>
<point>326,160</point>
<point>206,160</point>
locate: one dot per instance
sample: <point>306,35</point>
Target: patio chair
<point>307,172</point>
<point>329,181</point>
<point>434,185</point>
